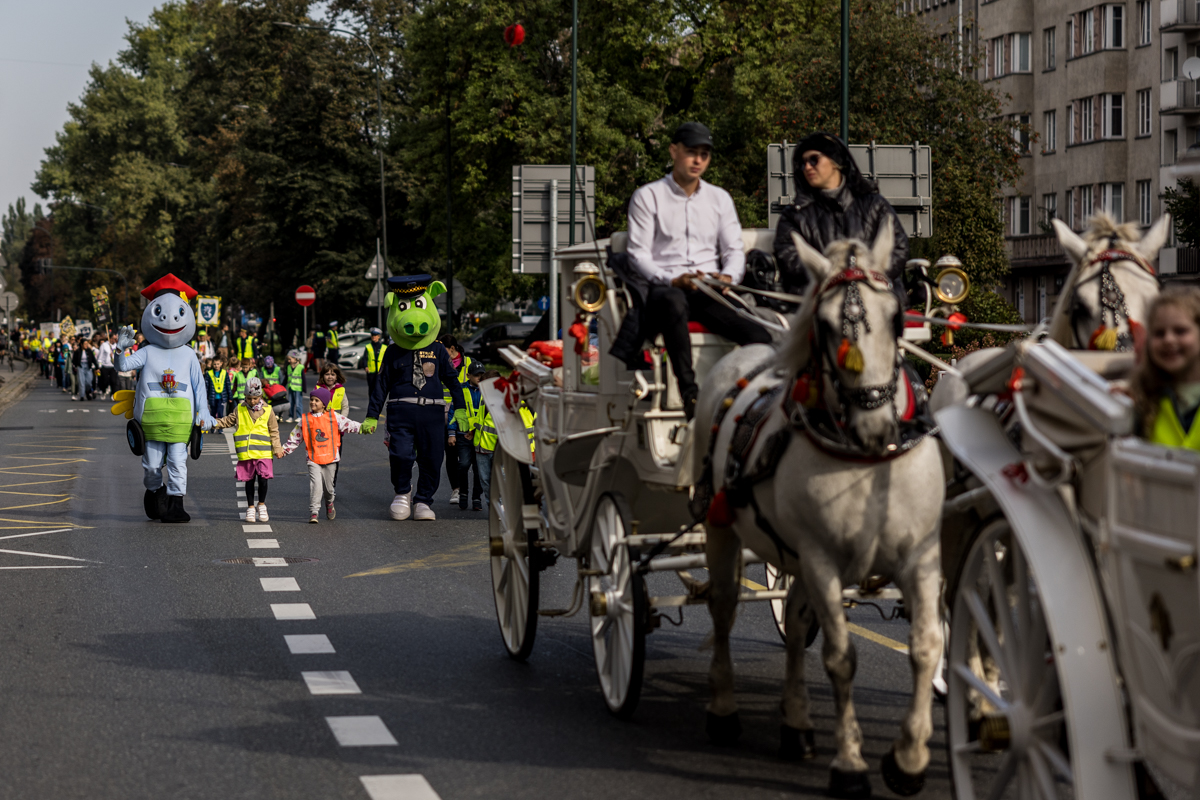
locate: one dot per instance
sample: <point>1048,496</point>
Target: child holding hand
<point>321,432</point>
<point>257,442</point>
<point>1166,385</point>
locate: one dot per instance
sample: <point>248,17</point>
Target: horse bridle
<point>854,313</point>
<point>1112,299</point>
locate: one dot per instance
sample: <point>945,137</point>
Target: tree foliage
<point>1183,203</point>
<point>242,155</point>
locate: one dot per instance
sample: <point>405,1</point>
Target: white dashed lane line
<point>334,682</point>
<point>361,732</point>
<point>398,787</point>
<point>269,562</point>
<point>262,544</point>
<point>279,584</point>
<point>303,644</point>
<point>256,529</point>
<point>292,611</point>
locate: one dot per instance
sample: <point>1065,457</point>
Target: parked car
<point>351,348</point>
<point>485,344</point>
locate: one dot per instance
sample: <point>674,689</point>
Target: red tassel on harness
<point>720,515</point>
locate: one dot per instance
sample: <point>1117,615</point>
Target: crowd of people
<point>78,365</point>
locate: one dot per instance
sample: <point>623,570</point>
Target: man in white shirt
<point>681,227</point>
<point>108,373</point>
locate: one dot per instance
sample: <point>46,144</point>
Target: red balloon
<point>514,35</point>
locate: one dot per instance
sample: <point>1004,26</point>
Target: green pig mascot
<point>411,379</point>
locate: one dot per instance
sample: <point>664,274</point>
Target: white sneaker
<point>262,512</point>
<point>454,497</point>
<point>250,515</point>
<point>401,507</point>
<point>422,511</point>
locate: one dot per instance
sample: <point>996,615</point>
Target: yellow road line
<point>462,556</point>
<point>35,505</point>
<point>857,630</point>
<point>39,523</point>
<point>39,483</point>
<point>752,586</point>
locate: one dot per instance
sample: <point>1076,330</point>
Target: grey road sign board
<point>531,212</point>
<point>373,270</point>
<point>9,301</point>
<point>376,298</point>
<point>903,171</point>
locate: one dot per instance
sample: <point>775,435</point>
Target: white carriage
<point>1070,552</point>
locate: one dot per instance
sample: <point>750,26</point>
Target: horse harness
<point>1112,299</point>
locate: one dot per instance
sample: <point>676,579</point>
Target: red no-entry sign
<point>306,295</point>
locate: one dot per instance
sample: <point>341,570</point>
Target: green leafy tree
<point>16,226</point>
<point>1183,203</point>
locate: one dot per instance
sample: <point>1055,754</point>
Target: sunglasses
<point>812,161</point>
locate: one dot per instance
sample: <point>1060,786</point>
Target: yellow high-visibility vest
<point>253,437</point>
<point>375,360</point>
<point>1168,430</point>
<point>245,347</point>
<point>218,380</point>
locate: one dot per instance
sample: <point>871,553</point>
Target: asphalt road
<point>134,665</point>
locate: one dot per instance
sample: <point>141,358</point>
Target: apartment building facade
<point>1102,85</point>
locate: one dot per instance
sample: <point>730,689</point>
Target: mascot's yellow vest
<point>1169,431</point>
<point>253,437</point>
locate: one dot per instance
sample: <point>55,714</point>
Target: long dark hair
<point>837,150</point>
<point>1150,382</point>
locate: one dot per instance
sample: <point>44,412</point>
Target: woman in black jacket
<point>833,201</point>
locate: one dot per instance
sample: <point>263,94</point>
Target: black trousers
<point>668,311</point>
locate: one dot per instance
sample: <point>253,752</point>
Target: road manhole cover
<point>277,561</point>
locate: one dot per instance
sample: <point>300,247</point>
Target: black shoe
<point>175,512</point>
<point>477,507</point>
<point>462,504</point>
<point>689,396</point>
<point>155,502</point>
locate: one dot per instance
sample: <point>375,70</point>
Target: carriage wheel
<point>781,580</point>
<point>1005,718</point>
<point>514,571</point>
<point>618,607</point>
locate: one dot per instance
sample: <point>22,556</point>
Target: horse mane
<point>1102,228</point>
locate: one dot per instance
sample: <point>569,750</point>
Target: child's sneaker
<point>251,516</point>
<point>330,511</point>
<point>262,512</point>
<point>422,511</point>
<point>400,508</point>
<point>477,507</point>
<point>454,494</point>
<point>312,519</point>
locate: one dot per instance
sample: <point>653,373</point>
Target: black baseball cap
<point>692,134</point>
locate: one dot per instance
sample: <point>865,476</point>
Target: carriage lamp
<point>589,292</point>
<point>952,284</point>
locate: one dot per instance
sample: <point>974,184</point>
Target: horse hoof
<point>794,748</point>
<point>849,785</point>
<point>723,731</point>
<point>897,779</point>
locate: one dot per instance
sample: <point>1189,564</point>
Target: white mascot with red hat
<point>170,398</point>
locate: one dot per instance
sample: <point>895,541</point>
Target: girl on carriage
<point>1166,385</point>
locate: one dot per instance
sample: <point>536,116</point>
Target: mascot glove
<point>125,338</point>
<point>368,426</point>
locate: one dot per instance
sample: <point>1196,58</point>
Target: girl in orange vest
<point>321,431</point>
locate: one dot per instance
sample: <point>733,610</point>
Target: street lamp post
<point>379,104</point>
<point>846,71</point>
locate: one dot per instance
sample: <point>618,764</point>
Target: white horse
<point>832,513</point>
<point>1104,300</point>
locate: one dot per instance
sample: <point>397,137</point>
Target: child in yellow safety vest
<point>486,438</point>
<point>1166,385</point>
<point>321,432</point>
<point>256,440</point>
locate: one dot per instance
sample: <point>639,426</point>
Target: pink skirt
<point>246,470</point>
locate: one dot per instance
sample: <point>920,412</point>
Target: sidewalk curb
<point>16,387</point>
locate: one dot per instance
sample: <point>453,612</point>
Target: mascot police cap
<point>168,320</point>
<point>413,322</point>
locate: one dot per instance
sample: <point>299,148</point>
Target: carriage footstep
<point>897,779</point>
<point>796,744</point>
<point>724,731</point>
<point>849,785</point>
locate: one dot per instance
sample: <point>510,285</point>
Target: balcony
<point>1178,97</point>
<point>1179,261</point>
<point>1179,15</point>
<point>1034,251</point>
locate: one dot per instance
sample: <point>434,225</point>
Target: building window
<point>1049,210</point>
<point>1020,53</point>
<point>1170,147</point>
<point>1083,123</point>
<point>1018,214</point>
<point>1114,116</point>
<point>1072,45</point>
<point>1087,24</point>
<point>1144,19</point>
<point>1021,131</point>
<point>1048,46</point>
<point>1040,299</point>
<point>1086,202</point>
<point>1170,63</point>
<point>1143,190</point>
<point>996,58</point>
<point>1144,112</point>
<point>1050,131</point>
<point>1112,200</point>
<point>1114,27</point>
<point>1072,215</point>
<point>1021,297</point>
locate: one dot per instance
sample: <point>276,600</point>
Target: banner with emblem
<point>208,311</point>
<point>66,327</point>
<point>100,305</point>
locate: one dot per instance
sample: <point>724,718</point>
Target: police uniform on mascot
<point>170,399</point>
<point>413,372</point>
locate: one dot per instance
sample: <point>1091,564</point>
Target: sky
<point>45,53</point>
